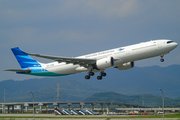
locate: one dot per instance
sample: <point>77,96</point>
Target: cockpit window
<point>169,42</point>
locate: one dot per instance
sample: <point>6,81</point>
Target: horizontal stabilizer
<point>19,71</point>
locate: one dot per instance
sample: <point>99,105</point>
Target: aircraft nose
<point>175,44</point>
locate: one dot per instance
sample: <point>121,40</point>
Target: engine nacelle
<point>126,66</point>
<point>105,63</point>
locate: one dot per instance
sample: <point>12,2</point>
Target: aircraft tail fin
<point>25,61</point>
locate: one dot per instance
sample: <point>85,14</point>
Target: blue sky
<point>73,28</point>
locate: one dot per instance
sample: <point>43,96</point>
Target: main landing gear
<point>102,74</point>
<point>162,60</point>
<point>90,74</point>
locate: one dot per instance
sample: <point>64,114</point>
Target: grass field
<point>94,117</point>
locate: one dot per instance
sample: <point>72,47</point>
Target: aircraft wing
<point>81,61</point>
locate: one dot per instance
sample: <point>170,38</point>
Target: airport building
<point>82,108</point>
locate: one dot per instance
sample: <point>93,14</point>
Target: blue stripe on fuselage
<point>40,71</point>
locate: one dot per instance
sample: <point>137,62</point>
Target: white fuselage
<point>121,55</point>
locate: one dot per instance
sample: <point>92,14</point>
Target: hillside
<point>46,90</point>
<point>136,81</point>
<point>143,100</point>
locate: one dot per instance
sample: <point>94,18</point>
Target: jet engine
<point>126,66</point>
<point>105,63</point>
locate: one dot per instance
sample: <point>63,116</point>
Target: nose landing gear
<point>162,60</point>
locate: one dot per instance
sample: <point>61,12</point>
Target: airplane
<point>122,58</point>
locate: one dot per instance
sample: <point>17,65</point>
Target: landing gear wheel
<point>87,77</point>
<point>99,77</point>
<point>103,74</point>
<point>91,73</point>
<point>162,60</point>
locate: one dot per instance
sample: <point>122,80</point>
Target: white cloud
<point>68,8</point>
<point>20,36</point>
<point>71,35</point>
<point>113,8</point>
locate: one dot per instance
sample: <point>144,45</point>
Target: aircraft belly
<point>40,71</point>
<point>164,50</point>
<point>64,69</point>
